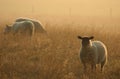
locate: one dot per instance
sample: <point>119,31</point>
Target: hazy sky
<point>61,7</point>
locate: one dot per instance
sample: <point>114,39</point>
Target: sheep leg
<point>102,65</point>
<point>93,67</point>
<point>85,68</point>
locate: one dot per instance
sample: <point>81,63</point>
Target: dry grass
<point>56,56</point>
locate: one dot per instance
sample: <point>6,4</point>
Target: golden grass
<point>56,56</point>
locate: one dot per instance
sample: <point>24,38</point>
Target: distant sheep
<point>92,53</point>
<point>38,26</point>
<point>22,28</point>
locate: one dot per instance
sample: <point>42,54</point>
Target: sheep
<point>23,28</point>
<point>92,53</point>
<point>38,26</point>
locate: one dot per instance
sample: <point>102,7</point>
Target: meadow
<point>56,55</point>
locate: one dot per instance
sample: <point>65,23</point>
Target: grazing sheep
<point>92,52</point>
<point>23,28</point>
<point>38,26</point>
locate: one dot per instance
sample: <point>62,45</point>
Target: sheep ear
<point>91,37</point>
<point>79,37</point>
<point>7,25</point>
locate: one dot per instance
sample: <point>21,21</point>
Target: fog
<point>103,8</point>
<point>83,11</point>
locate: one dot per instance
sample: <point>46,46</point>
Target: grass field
<point>56,56</point>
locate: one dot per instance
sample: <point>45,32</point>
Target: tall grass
<point>56,56</point>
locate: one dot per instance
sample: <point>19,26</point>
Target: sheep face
<point>85,40</point>
<point>7,29</point>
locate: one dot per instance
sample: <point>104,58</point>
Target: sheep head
<point>85,40</point>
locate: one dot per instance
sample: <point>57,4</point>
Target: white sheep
<point>92,52</point>
<point>38,26</point>
<point>23,28</point>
